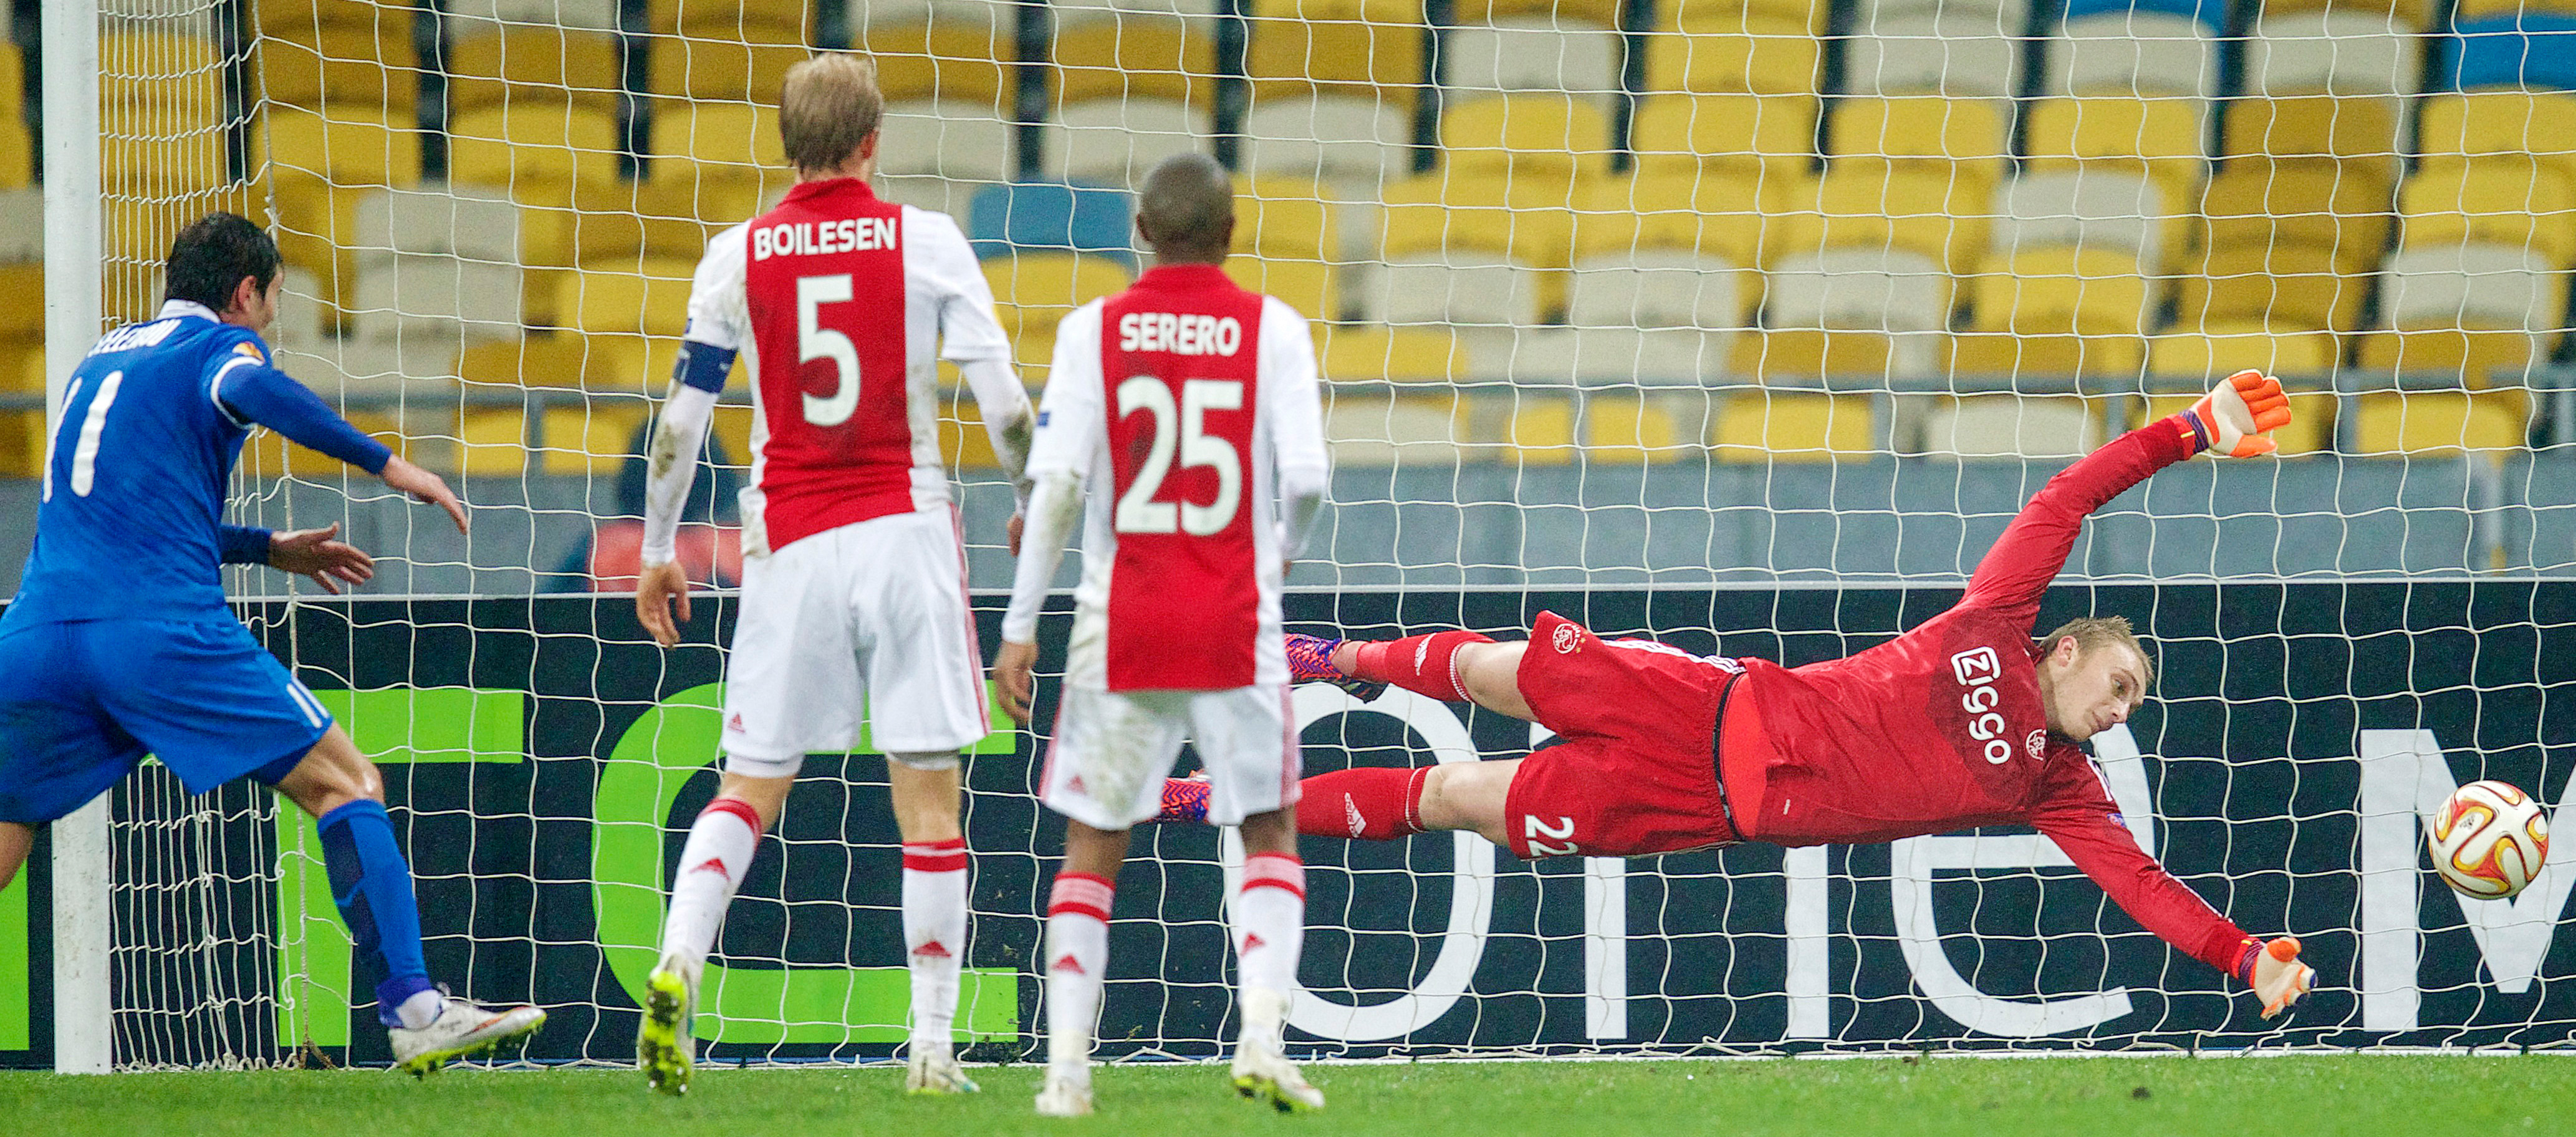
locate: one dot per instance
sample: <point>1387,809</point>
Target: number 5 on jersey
<point>1138,511</point>
<point>814,341</point>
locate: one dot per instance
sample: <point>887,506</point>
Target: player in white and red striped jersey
<point>1191,406</point>
<point>853,591</point>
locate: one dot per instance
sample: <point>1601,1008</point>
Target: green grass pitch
<point>1878,1097</point>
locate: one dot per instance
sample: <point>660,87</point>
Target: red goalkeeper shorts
<point>1636,773</point>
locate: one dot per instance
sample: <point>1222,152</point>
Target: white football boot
<point>1265,1075</point>
<point>463,1027</point>
<point>934,1070</point>
<point>1065,1095</point>
<point>664,1047</point>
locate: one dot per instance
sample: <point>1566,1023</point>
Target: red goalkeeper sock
<point>1423,664</point>
<point>1364,803</point>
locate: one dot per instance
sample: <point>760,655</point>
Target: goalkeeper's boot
<point>1263,1074</point>
<point>1184,799</point>
<point>934,1070</point>
<point>1310,660</point>
<point>463,1028</point>
<point>1065,1094</point>
<point>664,1049</point>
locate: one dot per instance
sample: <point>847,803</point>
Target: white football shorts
<point>1113,749</point>
<point>864,622</point>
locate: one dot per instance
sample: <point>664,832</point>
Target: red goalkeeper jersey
<point>1942,728</point>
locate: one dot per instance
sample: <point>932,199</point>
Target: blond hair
<point>829,105</point>
<point>2090,632</point>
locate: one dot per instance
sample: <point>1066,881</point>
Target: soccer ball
<point>2489,840</point>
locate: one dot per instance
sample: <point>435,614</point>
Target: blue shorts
<point>82,701</point>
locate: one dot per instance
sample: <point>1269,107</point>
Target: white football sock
<point>422,1009</point>
<point>1269,925</point>
<point>934,936</point>
<point>1077,954</point>
<point>721,843</point>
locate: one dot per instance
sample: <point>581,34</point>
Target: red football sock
<point>1425,664</point>
<point>1365,803</point>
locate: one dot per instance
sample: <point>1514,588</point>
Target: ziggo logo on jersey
<point>1977,669</point>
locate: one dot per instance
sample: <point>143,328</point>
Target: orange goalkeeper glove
<point>2234,418</point>
<point>2275,973</point>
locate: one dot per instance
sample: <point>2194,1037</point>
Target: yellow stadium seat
<point>1365,354</point>
<point>2252,204</point>
<point>632,365</point>
<point>13,80</point>
<point>1765,58</point>
<point>2358,133</point>
<point>1136,56</point>
<point>158,157</point>
<point>1739,134</point>
<point>291,17</point>
<point>1710,215</point>
<point>1305,285</point>
<point>317,231</point>
<point>536,152</point>
<point>940,61</point>
<point>492,441</point>
<point>722,70</point>
<point>1864,204</point>
<point>537,360</point>
<point>649,299</point>
<point>2480,357</point>
<point>1032,292</point>
<point>1781,426</point>
<point>2219,349</point>
<point>2418,422</point>
<point>621,221</point>
<point>1368,47</point>
<point>1459,210</point>
<point>1540,432</point>
<point>1284,217</point>
<point>2289,286</point>
<point>1963,137</point>
<point>779,20</point>
<point>2159,136</point>
<point>522,66</point>
<point>1975,353</point>
<point>365,65</point>
<point>2518,208</point>
<point>1526,136</point>
<point>704,142</point>
<point>2503,129</point>
<point>17,154</point>
<point>1593,13</point>
<point>593,438</point>
<point>179,74</point>
<point>1807,16</point>
<point>2411,13</point>
<point>1633,430</point>
<point>2066,291</point>
<point>342,145</point>
<point>1807,354</point>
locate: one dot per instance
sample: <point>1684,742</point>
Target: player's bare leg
<point>925,792</point>
<point>1077,950</point>
<point>721,843</point>
<point>371,880</point>
<point>15,842</point>
<point>1269,917</point>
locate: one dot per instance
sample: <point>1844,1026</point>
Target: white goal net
<point>1744,324</point>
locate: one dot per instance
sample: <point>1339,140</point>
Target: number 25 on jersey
<point>1138,511</point>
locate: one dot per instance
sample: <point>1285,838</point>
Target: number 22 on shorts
<point>1538,833</point>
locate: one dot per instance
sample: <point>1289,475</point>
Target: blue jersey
<point>130,524</point>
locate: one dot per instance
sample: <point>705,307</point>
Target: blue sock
<point>372,884</point>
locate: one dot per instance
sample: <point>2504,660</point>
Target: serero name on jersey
<point>812,238</point>
<point>1179,334</point>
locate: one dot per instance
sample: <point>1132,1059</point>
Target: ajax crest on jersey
<point>2489,840</point>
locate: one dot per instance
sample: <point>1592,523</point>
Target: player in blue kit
<point>119,644</point>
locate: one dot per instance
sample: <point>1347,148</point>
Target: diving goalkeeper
<point>1963,721</point>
